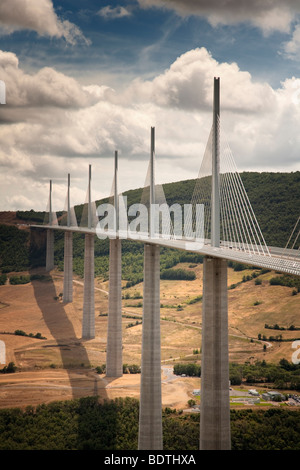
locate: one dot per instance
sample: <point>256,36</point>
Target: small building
<point>272,396</point>
<point>253,392</point>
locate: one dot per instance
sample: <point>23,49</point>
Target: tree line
<point>89,424</point>
<point>285,375</point>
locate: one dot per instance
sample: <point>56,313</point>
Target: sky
<point>84,79</point>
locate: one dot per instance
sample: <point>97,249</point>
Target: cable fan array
<point>293,239</point>
<point>239,228</point>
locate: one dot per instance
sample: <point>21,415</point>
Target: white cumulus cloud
<point>52,125</point>
<point>188,83</point>
<point>39,16</point>
<point>268,15</point>
<point>292,47</point>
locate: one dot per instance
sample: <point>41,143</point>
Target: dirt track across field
<point>24,389</point>
<point>62,366</point>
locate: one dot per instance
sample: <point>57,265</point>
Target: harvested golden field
<point>61,366</point>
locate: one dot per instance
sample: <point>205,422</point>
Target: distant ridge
<point>275,198</point>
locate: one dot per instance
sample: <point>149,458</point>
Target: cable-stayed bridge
<point>220,224</point>
<point>240,238</point>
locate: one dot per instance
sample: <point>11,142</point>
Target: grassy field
<point>37,307</point>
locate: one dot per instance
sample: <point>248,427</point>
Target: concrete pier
<point>215,410</point>
<point>150,418</point>
<point>68,268</point>
<point>88,318</point>
<point>50,250</point>
<point>50,236</point>
<point>114,357</point>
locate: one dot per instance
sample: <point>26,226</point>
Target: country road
<point>269,345</point>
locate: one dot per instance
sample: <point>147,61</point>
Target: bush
<point>9,369</point>
<point>101,369</point>
<point>20,333</point>
<point>235,378</point>
<point>194,300</point>
<point>131,369</point>
<point>31,335</point>
<point>178,275</point>
<point>15,280</point>
<point>286,280</point>
<point>191,370</point>
<point>237,266</point>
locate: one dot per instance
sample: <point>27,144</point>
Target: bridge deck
<point>278,259</point>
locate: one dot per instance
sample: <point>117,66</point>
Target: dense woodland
<point>86,424</point>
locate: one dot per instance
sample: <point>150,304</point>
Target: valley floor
<point>62,365</point>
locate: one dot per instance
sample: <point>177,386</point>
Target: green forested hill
<point>14,248</point>
<point>275,198</point>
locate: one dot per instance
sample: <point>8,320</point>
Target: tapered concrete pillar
<point>114,357</point>
<point>50,250</point>
<point>88,319</point>
<point>215,409</point>
<point>150,418</point>
<point>68,255</point>
<point>215,193</point>
<point>50,236</point>
<point>68,268</point>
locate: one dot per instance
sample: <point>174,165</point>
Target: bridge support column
<point>88,319</point>
<point>68,268</point>
<point>50,250</point>
<point>150,419</point>
<point>114,357</point>
<point>215,408</point>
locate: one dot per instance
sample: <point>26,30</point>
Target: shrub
<point>20,333</point>
<point>9,369</point>
<point>191,370</point>
<point>15,280</point>
<point>178,275</point>
<point>101,369</point>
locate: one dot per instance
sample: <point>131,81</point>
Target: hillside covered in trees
<point>275,198</point>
